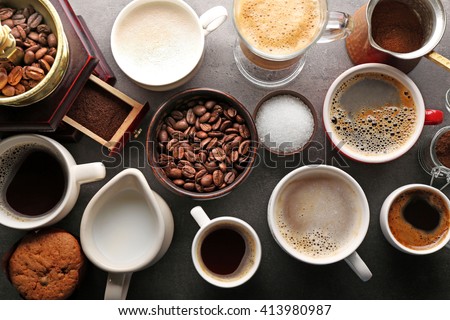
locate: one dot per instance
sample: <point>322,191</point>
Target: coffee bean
<point>51,40</point>
<point>229,177</point>
<point>8,90</point>
<point>205,127</point>
<point>3,79</point>
<point>34,20</point>
<point>210,104</point>
<point>188,172</point>
<point>190,186</point>
<point>244,147</point>
<point>174,173</point>
<point>206,180</point>
<point>190,116</point>
<point>202,134</point>
<point>43,28</point>
<point>218,178</point>
<point>205,143</point>
<point>31,33</point>
<point>15,75</point>
<point>6,13</point>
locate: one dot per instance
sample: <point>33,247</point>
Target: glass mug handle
<point>339,26</point>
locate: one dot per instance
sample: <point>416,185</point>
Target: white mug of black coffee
<point>226,251</point>
<point>39,181</point>
<point>416,219</point>
<point>320,215</point>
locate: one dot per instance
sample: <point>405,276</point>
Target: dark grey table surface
<point>395,275</point>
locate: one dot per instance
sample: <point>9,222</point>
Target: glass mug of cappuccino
<point>320,215</point>
<point>415,219</point>
<point>374,113</point>
<point>274,36</point>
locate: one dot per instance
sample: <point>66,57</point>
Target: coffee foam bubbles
<point>373,113</point>
<point>278,27</point>
<point>159,41</point>
<point>318,215</point>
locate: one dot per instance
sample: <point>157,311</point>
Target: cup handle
<point>117,286</point>
<point>339,26</point>
<point>213,18</point>
<point>358,266</point>
<point>433,117</point>
<point>89,172</point>
<point>200,216</point>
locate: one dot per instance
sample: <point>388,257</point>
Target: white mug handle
<point>213,18</point>
<point>358,266</point>
<point>200,216</point>
<point>89,172</point>
<point>117,286</point>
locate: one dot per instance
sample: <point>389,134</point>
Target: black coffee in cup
<point>32,180</point>
<point>222,251</point>
<point>419,219</point>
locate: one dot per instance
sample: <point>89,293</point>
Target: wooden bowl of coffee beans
<point>202,143</point>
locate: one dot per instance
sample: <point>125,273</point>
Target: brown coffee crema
<point>419,219</point>
<point>278,27</point>
<point>318,216</point>
<point>374,114</point>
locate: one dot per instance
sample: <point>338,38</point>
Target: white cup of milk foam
<point>160,44</point>
<point>126,227</point>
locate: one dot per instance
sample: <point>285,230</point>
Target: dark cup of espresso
<point>39,181</point>
<point>416,219</point>
<point>226,251</point>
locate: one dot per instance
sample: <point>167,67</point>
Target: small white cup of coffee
<point>160,44</point>
<point>374,113</point>
<point>126,227</point>
<point>415,219</point>
<point>226,251</point>
<point>40,181</point>
<point>320,215</point>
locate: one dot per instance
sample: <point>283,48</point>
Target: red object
<point>433,117</point>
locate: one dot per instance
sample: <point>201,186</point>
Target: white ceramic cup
<point>251,258</point>
<point>348,251</point>
<point>161,55</point>
<point>126,227</point>
<point>384,218</point>
<point>422,117</point>
<point>74,176</point>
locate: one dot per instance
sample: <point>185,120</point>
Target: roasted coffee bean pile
<point>204,145</point>
<point>38,43</point>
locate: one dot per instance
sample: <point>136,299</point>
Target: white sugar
<point>284,123</point>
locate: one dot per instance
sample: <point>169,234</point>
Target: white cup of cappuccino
<point>40,181</point>
<point>374,113</point>
<point>320,215</point>
<point>160,44</point>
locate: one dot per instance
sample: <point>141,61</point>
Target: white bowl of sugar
<point>286,122</point>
